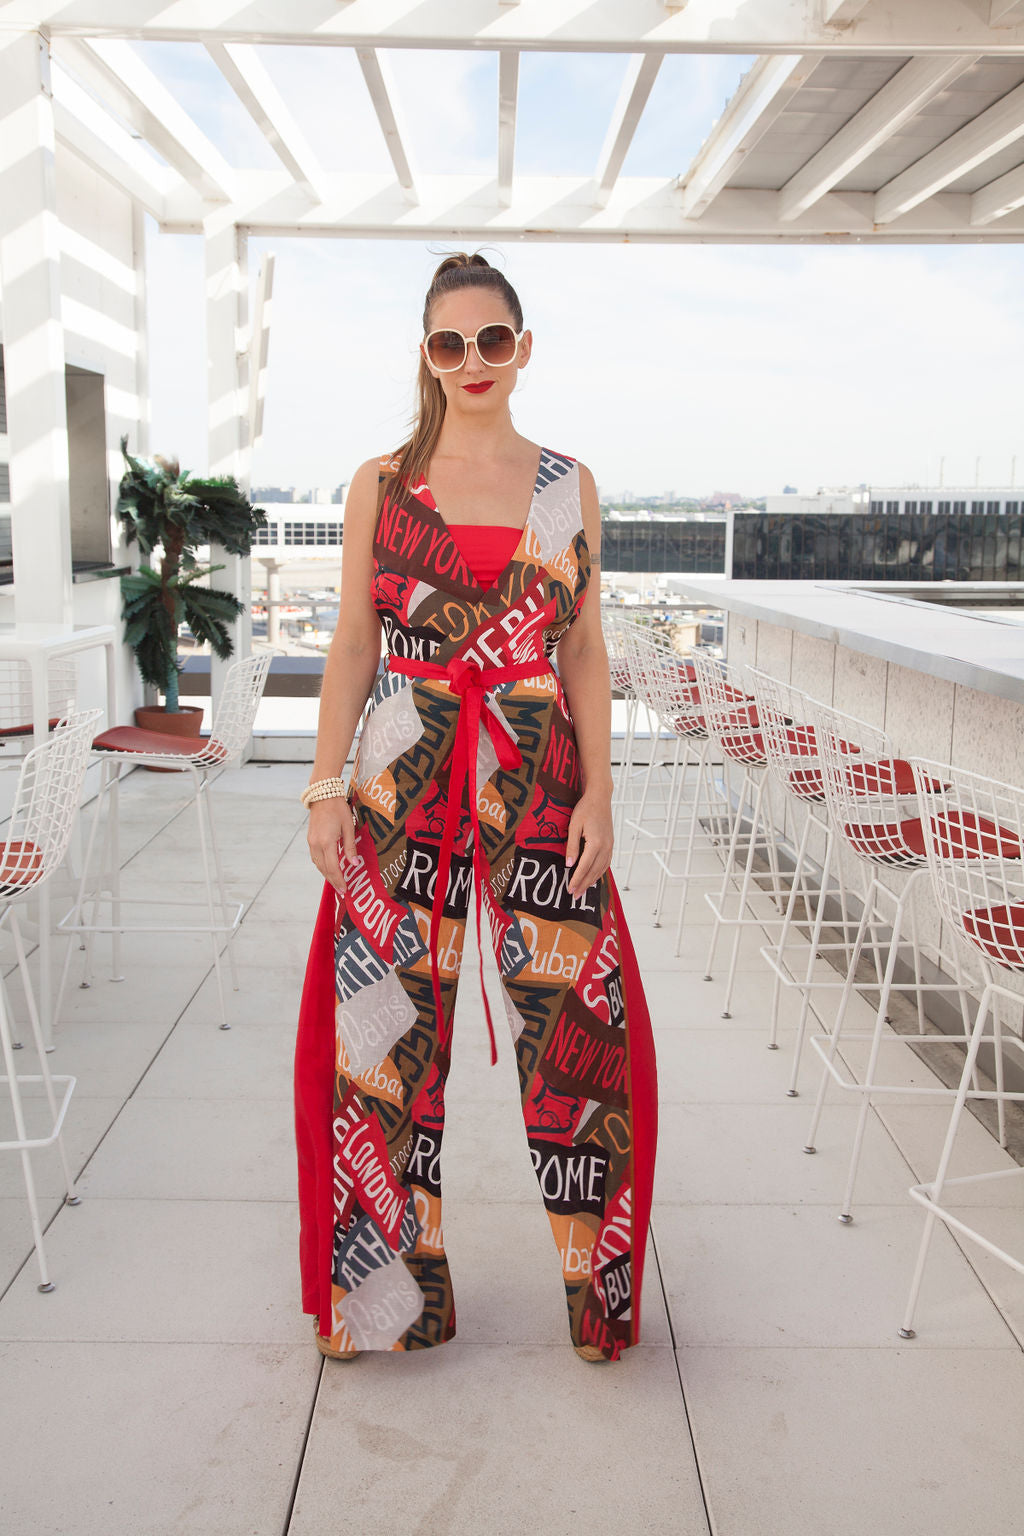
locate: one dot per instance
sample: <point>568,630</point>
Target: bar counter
<point>945,683</point>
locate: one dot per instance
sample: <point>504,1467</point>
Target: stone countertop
<point>979,651</point>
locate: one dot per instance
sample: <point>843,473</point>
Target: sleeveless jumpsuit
<point>464,780</point>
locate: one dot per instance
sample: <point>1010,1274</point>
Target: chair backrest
<point>666,682</point>
<point>790,740</point>
<point>16,693</point>
<point>244,683</point>
<point>871,793</point>
<point>974,839</point>
<point>45,803</point>
<point>615,626</point>
<point>729,710</point>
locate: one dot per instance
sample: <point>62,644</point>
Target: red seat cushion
<point>999,931</point>
<point>885,776</point>
<point>807,783</point>
<point>20,864</point>
<point>689,725</point>
<point>132,738</point>
<point>26,730</point>
<point>964,835</point>
<point>747,747</point>
<point>889,842</point>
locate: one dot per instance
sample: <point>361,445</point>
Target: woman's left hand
<point>591,825</point>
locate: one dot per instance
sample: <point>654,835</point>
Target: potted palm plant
<point>160,507</point>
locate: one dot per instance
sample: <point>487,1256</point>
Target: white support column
<point>508,98</point>
<point>33,334</point>
<point>227,374</point>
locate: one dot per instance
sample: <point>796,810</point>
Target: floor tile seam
<point>153,1198</point>
<point>215,1098</point>
<point>908,1346</point>
<point>694,1451</point>
<point>294,1346</point>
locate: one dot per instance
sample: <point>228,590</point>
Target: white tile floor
<point>169,1385</point>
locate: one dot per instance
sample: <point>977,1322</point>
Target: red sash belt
<point>469,682</point>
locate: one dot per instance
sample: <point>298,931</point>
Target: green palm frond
<point>160,507</point>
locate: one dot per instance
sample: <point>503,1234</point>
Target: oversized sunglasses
<point>496,347</point>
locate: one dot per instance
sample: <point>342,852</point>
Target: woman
<point>478,769</point>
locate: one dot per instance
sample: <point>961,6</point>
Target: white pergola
<point>860,121</point>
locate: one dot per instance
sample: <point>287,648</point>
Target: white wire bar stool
<point>616,627</point>
<point>974,838</point>
<point>664,682</point>
<point>45,804</point>
<point>876,814</point>
<point>16,700</point>
<point>127,747</point>
<point>794,757</point>
<point>668,684</point>
<point>732,721</point>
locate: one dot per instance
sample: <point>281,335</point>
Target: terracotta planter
<point>154,717</point>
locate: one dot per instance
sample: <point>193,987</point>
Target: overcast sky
<point>673,367</point>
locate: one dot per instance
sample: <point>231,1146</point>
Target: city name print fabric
<point>372,1055</point>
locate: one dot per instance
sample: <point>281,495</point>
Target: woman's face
<point>466,311</point>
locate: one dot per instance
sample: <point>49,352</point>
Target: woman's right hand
<point>332,830</point>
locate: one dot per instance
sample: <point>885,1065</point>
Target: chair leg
<point>727,874</point>
<point>638,823</point>
<point>837,1027</point>
<point>72,1196</point>
<point>931,1216</point>
<point>45,1283</point>
<point>221,887</point>
<point>763,793</point>
<point>208,881</point>
<point>787,920</point>
<point>805,1000</point>
<point>904,902</point>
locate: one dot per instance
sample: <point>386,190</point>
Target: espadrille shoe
<point>325,1349</point>
<point>589,1352</point>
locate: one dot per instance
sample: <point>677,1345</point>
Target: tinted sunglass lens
<point>446,350</point>
<point>496,345</point>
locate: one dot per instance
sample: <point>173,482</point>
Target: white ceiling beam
<point>1000,197</point>
<point>1006,13</point>
<point>900,99</point>
<point>636,88</point>
<point>994,130</point>
<point>380,84</point>
<point>839,13</point>
<point>508,100</point>
<point>642,209</point>
<point>909,27</point>
<point>764,92</point>
<point>247,76</point>
<point>82,125</point>
<point>118,75</point>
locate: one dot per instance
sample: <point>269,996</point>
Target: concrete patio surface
<point>169,1385</point>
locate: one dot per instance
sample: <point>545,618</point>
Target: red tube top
<point>486,548</point>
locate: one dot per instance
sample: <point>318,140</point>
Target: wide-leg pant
<point>369,1101</point>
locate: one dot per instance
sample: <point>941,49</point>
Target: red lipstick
<point>478,389</point>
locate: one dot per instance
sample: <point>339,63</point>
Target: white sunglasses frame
<point>466,340</point>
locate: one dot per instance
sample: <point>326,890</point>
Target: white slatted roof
<point>865,120</point>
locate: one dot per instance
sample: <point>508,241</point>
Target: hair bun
<point>460,259</point>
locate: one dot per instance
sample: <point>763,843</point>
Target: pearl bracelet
<point>323,789</point>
